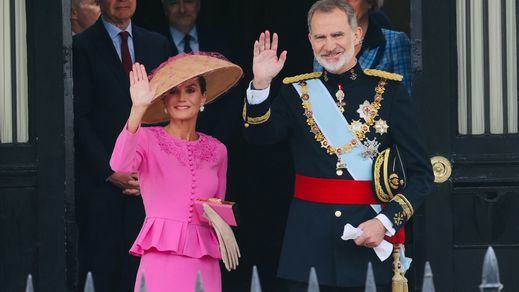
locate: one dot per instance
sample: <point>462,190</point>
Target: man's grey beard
<point>336,67</point>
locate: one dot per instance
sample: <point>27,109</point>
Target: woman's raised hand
<point>141,91</point>
<point>266,64</point>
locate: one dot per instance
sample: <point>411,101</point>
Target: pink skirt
<point>164,272</point>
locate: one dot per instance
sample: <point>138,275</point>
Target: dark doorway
<point>475,208</point>
<point>36,176</point>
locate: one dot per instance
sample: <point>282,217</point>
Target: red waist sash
<point>339,191</point>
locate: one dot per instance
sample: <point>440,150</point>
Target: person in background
<point>186,36</point>
<point>109,210</point>
<point>83,14</point>
<point>184,33</point>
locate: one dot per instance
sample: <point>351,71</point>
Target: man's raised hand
<point>266,64</point>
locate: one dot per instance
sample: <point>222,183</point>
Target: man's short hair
<point>375,4</point>
<point>327,6</point>
<point>77,3</point>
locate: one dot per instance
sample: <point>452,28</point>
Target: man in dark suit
<point>109,210</point>
<point>220,119</point>
<point>184,33</point>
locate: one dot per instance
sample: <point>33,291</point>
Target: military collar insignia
<point>352,74</point>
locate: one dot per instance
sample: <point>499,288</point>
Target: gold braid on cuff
<point>405,204</point>
<point>254,120</point>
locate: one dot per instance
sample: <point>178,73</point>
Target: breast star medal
<point>381,126</point>
<point>370,148</point>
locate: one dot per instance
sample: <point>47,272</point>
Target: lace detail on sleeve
<point>203,150</point>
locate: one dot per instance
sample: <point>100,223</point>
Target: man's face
<point>118,11</point>
<point>182,14</point>
<point>332,39</point>
<point>88,13</point>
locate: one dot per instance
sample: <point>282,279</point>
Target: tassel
<point>399,281</point>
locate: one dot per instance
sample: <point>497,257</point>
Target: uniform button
<point>191,209</point>
<point>338,214</point>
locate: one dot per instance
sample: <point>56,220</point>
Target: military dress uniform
<point>380,113</point>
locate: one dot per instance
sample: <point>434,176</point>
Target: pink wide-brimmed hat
<point>220,75</point>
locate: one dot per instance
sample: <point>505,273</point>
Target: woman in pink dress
<point>176,165</point>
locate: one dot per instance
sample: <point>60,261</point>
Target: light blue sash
<point>334,127</point>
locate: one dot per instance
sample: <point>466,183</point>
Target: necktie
<point>125,52</point>
<point>187,44</point>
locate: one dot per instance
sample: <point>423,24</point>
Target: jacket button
<point>338,214</point>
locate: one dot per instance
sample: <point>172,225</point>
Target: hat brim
<point>220,75</point>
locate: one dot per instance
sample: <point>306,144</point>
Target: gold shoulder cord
<point>383,74</point>
<point>298,78</point>
<point>262,119</point>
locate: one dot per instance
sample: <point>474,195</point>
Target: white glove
<point>228,245</point>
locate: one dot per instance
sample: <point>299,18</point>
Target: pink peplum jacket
<point>172,174</point>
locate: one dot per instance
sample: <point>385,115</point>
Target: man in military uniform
<point>337,122</point>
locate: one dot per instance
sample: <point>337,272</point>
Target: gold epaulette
<point>306,76</point>
<point>383,74</point>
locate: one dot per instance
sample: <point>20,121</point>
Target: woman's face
<point>184,101</point>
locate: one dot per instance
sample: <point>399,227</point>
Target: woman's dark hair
<point>202,83</point>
